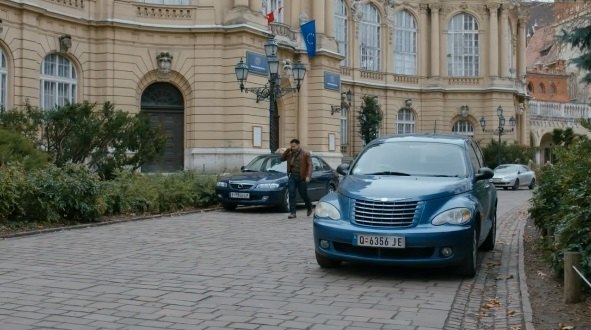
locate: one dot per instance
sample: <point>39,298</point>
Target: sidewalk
<point>497,297</point>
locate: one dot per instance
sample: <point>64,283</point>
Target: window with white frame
<point>463,127</point>
<point>405,43</point>
<point>276,8</point>
<point>344,136</point>
<point>58,81</point>
<point>3,81</point>
<point>405,121</point>
<point>340,28</point>
<point>370,38</point>
<point>463,46</point>
<point>168,2</point>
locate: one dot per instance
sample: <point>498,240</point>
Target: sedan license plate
<point>396,242</point>
<point>239,195</point>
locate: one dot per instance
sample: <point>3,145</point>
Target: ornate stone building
<point>425,61</point>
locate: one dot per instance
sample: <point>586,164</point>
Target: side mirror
<point>484,173</point>
<point>343,169</point>
<point>242,168</point>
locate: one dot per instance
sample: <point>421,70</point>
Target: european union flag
<point>309,34</point>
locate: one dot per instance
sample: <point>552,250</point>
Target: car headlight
<point>268,186</point>
<point>327,210</point>
<point>457,216</point>
<point>221,184</point>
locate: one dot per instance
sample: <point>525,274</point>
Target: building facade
<point>434,66</point>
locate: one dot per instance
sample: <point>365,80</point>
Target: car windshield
<point>266,164</point>
<point>412,158</point>
<point>506,169</point>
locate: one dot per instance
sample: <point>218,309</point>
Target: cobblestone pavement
<point>250,269</point>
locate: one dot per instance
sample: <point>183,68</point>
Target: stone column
<point>424,45</point>
<point>303,105</point>
<point>435,52</point>
<point>256,5</point>
<point>241,3</point>
<point>328,18</point>
<point>505,45</point>
<point>521,44</point>
<point>318,14</point>
<point>493,40</point>
<point>293,8</point>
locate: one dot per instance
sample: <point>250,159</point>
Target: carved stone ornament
<point>356,9</point>
<point>164,63</point>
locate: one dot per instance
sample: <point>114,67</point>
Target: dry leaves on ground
<point>492,303</point>
<point>508,277</point>
<point>563,326</point>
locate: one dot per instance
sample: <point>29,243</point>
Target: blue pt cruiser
<point>412,200</point>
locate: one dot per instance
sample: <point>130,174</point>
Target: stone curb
<point>525,303</point>
<point>103,223</point>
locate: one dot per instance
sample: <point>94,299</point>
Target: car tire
<point>325,262</point>
<point>532,184</point>
<point>331,187</point>
<point>284,206</point>
<point>468,266</point>
<point>516,184</point>
<point>489,242</point>
<point>229,206</point>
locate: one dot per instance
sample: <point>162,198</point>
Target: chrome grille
<point>241,185</point>
<point>385,214</point>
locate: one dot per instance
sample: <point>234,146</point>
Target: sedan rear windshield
<point>412,158</point>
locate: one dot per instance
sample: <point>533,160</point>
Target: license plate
<point>395,242</point>
<point>239,195</point>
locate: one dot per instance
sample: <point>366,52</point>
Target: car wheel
<point>516,184</point>
<point>331,188</point>
<point>284,206</point>
<point>489,243</point>
<point>326,262</point>
<point>468,265</point>
<point>532,184</point>
<point>229,206</point>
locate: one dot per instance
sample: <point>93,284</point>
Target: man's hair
<point>296,141</point>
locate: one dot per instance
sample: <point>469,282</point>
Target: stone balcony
<point>558,111</point>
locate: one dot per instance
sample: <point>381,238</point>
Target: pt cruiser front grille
<point>385,214</point>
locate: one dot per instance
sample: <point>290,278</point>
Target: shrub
<point>13,184</point>
<point>562,204</point>
<point>68,193</point>
<point>16,148</point>
<point>509,154</point>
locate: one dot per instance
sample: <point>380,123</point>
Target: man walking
<point>299,172</point>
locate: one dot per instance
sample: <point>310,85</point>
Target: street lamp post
<point>272,89</point>
<point>500,130</point>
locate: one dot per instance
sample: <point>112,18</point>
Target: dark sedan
<point>264,182</point>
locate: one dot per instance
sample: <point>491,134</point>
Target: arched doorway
<point>546,149</point>
<point>164,104</point>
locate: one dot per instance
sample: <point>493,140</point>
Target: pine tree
<point>370,116</point>
<point>579,37</point>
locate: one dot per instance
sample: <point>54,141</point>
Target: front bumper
<point>503,183</point>
<point>256,197</point>
<point>423,243</point>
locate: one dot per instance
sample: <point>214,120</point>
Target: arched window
<point>405,121</point>
<point>3,81</point>
<point>463,127</point>
<point>344,135</point>
<point>58,81</point>
<point>405,48</point>
<point>370,38</point>
<point>542,88</point>
<point>572,86</point>
<point>462,46</point>
<point>340,28</point>
<point>552,89</point>
<point>274,7</point>
<point>530,87</point>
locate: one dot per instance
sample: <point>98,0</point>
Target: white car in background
<point>514,176</point>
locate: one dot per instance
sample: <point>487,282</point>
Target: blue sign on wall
<point>332,81</point>
<point>257,63</point>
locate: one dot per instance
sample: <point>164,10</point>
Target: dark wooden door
<point>163,103</point>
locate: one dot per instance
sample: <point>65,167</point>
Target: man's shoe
<point>309,211</point>
<point>291,216</point>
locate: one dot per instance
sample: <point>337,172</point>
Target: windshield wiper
<point>389,173</point>
<point>441,175</point>
<point>248,170</point>
<point>274,171</point>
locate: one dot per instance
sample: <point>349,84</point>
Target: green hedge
<point>75,194</point>
<point>561,205</point>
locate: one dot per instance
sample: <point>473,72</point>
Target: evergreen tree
<point>579,37</point>
<point>370,116</point>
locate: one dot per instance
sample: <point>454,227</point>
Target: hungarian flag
<point>271,15</point>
